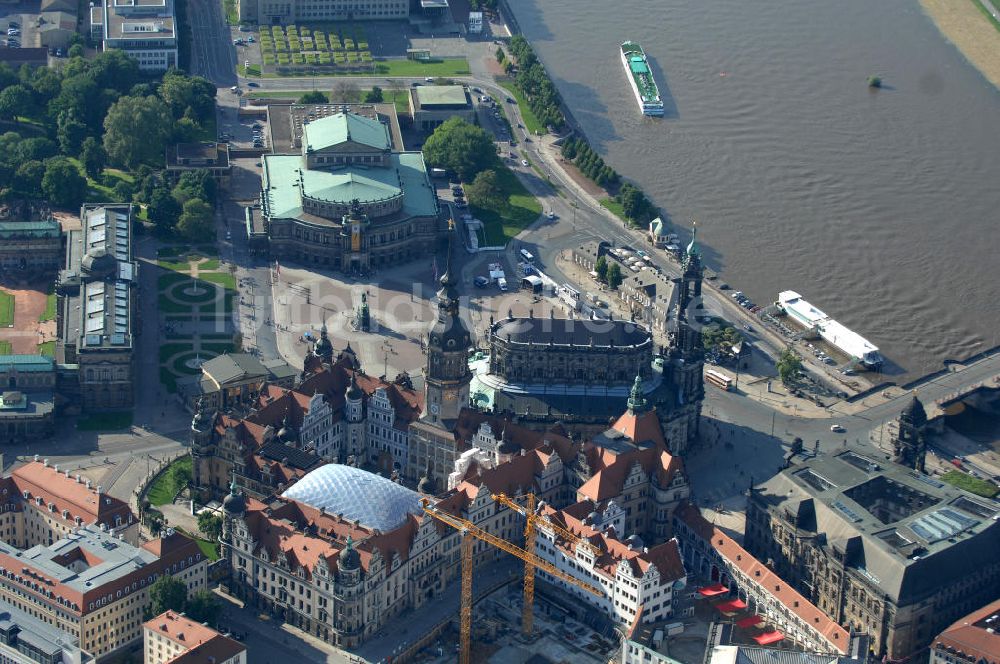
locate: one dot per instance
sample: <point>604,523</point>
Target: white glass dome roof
<point>358,495</point>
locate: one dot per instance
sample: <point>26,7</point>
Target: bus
<point>720,380</point>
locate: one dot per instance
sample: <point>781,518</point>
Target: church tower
<point>910,445</point>
<point>687,352</point>
<point>448,376</point>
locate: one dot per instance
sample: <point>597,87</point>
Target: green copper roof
<point>692,248</point>
<point>26,362</point>
<point>659,228</point>
<point>406,171</point>
<point>342,127</point>
<point>46,228</point>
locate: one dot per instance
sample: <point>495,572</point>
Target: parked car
<point>250,39</point>
<point>836,428</point>
<point>251,84</point>
<point>481,282</point>
<point>524,162</point>
<point>429,79</point>
<point>13,24</point>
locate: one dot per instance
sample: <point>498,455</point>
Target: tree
<point>345,92</point>
<point>601,268</point>
<point>797,446</point>
<point>485,192</point>
<point>155,525</point>
<point>195,184</point>
<point>93,156</point>
<point>210,525</point>
<point>374,96</point>
<point>167,594</point>
<point>204,607</point>
<point>190,96</point>
<point>614,276</point>
<point>196,222</point>
<point>70,132</point>
<point>163,209</point>
<point>789,365</point>
<point>28,178</point>
<point>314,97</point>
<point>75,51</point>
<point>63,184</point>
<point>501,56</point>
<point>136,131</point>
<point>461,147</point>
<point>14,101</point>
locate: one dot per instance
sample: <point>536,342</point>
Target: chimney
<point>56,467</point>
<point>45,462</point>
<point>100,489</point>
<point>78,480</point>
<point>88,485</point>
<point>36,457</point>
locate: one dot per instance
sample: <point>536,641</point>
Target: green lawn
<point>444,67</point>
<point>98,191</point>
<point>208,549</point>
<point>531,123</point>
<point>105,421</point>
<point>970,483</point>
<point>47,348</point>
<point>50,308</point>
<point>170,482</point>
<point>520,211</point>
<point>229,9</point>
<point>979,5</point>
<point>175,266</point>
<point>5,348</point>
<point>224,279</point>
<point>169,350</point>
<point>209,265</point>
<point>614,207</point>
<point>6,309</point>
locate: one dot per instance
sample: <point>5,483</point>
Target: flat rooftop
<point>84,560</point>
<point>441,97</point>
<point>40,636</point>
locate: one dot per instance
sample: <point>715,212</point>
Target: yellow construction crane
<point>469,531</point>
<point>530,519</point>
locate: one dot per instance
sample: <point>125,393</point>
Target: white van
<point>526,255</point>
<point>502,283</point>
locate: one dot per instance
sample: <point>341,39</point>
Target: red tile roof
<point>610,470</point>
<point>769,582</point>
<point>971,637</point>
<point>641,427</point>
<point>204,645</point>
<point>67,494</point>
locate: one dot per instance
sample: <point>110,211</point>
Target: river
<point>880,207</point>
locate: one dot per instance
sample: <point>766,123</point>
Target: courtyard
<point>28,318</point>
<point>195,298</point>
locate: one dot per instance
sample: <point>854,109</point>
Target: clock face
<point>435,408</point>
<point>450,395</point>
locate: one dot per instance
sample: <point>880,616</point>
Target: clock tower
<point>448,376</point>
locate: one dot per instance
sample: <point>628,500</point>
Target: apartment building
<point>145,30</point>
<point>41,504</point>
<point>95,586</point>
<point>173,638</point>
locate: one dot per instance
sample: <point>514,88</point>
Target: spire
<point>692,248</point>
<point>233,489</point>
<point>637,400</point>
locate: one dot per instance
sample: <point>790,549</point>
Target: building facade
<point>285,12</point>
<point>30,247</point>
<point>97,307</point>
<point>173,637</point>
<point>335,412</point>
<point>93,585</point>
<point>25,639</point>
<point>348,202</point>
<point>28,399</point>
<point>973,639</point>
<point>145,30</point>
<point>42,505</point>
<point>432,105</point>
<point>879,547</point>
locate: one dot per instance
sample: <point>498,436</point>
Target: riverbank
<point>963,23</point>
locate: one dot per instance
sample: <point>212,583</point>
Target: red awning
<point>732,605</point>
<point>749,621</point>
<point>768,637</point>
<point>712,591</point>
